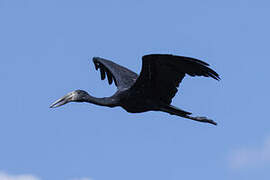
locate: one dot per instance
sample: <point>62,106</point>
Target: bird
<point>152,90</point>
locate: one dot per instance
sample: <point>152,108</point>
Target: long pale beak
<point>67,98</point>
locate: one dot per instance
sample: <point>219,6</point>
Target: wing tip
<point>216,78</point>
<point>104,72</point>
<point>95,59</point>
<point>213,74</point>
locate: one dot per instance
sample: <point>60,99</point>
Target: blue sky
<point>46,50</point>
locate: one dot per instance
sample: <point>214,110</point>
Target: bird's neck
<point>105,101</point>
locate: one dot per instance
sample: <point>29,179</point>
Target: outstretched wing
<point>161,74</point>
<point>122,77</point>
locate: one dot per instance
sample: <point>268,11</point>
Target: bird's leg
<point>201,119</point>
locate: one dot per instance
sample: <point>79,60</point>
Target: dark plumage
<point>153,89</point>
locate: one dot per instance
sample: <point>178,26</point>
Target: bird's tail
<point>175,111</point>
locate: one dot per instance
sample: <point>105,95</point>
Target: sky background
<point>46,49</point>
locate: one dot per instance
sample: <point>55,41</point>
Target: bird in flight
<point>152,90</point>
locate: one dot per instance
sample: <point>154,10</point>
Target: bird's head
<point>74,96</point>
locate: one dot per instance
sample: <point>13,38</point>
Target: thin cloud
<point>251,156</point>
<point>5,176</point>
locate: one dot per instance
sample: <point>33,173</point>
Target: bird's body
<point>136,102</point>
<point>152,90</point>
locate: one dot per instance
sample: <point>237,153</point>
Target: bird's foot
<point>204,119</point>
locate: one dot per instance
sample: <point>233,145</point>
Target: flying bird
<point>152,90</point>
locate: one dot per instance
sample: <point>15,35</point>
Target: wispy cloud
<point>5,176</point>
<point>251,156</point>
